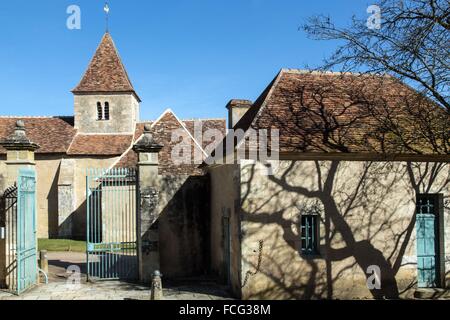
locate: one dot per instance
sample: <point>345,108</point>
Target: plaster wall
<point>367,218</point>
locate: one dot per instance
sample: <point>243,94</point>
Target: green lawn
<point>61,245</point>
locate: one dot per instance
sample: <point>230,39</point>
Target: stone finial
<point>147,143</point>
<point>18,140</point>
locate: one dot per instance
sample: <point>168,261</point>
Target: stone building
<point>344,211</point>
<point>348,199</point>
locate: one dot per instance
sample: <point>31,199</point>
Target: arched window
<point>99,111</point>
<point>106,111</point>
<point>102,111</point>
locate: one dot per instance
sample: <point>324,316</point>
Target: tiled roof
<point>334,112</point>
<point>104,145</point>
<point>53,135</point>
<point>162,130</point>
<point>205,125</point>
<point>106,72</point>
<point>57,135</point>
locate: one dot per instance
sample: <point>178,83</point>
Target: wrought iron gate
<point>8,221</point>
<point>19,242</point>
<point>111,224</point>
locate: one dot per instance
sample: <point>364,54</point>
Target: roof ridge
<point>120,60</point>
<point>105,134</point>
<point>170,111</point>
<point>263,104</point>
<point>194,119</point>
<point>334,73</point>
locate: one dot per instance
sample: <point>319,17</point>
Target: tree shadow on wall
<point>363,225</point>
<point>358,231</point>
<point>183,226</point>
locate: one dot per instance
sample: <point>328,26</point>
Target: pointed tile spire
<point>106,73</point>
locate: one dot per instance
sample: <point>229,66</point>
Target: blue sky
<point>189,55</point>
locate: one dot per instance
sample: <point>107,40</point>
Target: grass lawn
<point>61,245</point>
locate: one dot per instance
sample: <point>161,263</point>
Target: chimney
<point>236,110</point>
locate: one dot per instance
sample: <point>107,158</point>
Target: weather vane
<point>106,9</point>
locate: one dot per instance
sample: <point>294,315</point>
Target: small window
<point>310,234</point>
<point>106,111</point>
<point>99,111</point>
<point>426,204</point>
<point>102,111</point>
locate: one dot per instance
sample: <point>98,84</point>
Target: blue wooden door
<point>426,244</point>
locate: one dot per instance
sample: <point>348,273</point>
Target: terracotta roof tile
<point>162,132</point>
<point>205,125</point>
<point>106,72</point>
<point>53,135</point>
<point>332,112</point>
<point>104,145</point>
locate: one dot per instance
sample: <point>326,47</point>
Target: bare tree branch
<point>412,44</point>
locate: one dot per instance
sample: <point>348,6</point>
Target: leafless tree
<point>412,44</point>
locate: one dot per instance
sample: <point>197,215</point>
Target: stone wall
<point>66,198</point>
<point>81,166</point>
<point>47,172</point>
<point>2,174</point>
<point>367,217</point>
<point>181,230</point>
<point>47,168</point>
<point>118,213</point>
<point>225,202</point>
<point>123,108</point>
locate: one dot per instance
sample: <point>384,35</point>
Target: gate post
<point>148,197</point>
<point>20,155</point>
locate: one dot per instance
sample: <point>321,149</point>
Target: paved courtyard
<point>62,287</point>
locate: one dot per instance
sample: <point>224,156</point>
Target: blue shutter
<point>426,244</point>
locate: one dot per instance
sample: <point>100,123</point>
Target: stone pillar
<point>20,155</point>
<point>148,233</point>
<point>66,198</point>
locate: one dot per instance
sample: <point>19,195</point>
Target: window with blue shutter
<point>310,234</point>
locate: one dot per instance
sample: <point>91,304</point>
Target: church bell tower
<point>105,101</point>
